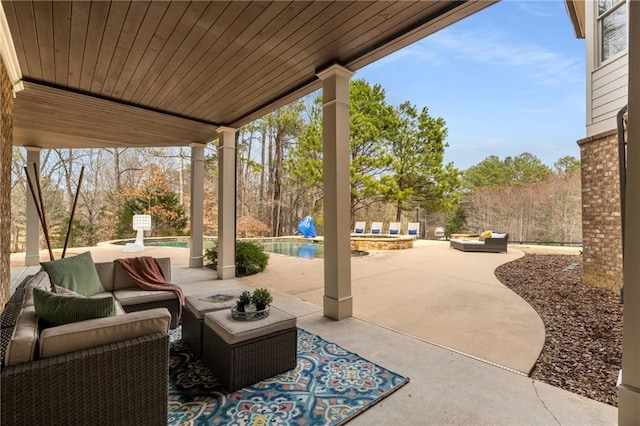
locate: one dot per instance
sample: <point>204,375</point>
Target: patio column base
<point>628,404</point>
<point>226,272</point>
<point>338,309</point>
<point>196,262</point>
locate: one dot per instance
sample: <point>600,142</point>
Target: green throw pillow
<point>57,309</point>
<point>77,273</point>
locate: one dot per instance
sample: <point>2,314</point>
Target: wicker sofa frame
<point>491,245</point>
<point>114,384</point>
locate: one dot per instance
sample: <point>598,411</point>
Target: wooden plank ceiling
<point>169,73</point>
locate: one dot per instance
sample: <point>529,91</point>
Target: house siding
<point>6,142</point>
<point>606,83</point>
<point>601,220</point>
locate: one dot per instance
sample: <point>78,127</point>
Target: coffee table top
<point>233,331</point>
<point>215,301</point>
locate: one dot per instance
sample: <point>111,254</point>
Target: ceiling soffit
<point>206,63</point>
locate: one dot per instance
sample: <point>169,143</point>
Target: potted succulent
<point>252,306</point>
<point>244,299</point>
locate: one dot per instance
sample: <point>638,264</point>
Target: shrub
<point>250,257</point>
<point>211,254</point>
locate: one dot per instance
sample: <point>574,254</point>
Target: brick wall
<point>6,142</point>
<point>601,220</point>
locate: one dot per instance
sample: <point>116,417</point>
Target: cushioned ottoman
<point>241,353</point>
<point>193,315</point>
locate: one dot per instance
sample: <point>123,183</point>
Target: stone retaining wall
<point>381,243</point>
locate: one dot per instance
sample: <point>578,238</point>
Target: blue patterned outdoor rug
<point>329,386</point>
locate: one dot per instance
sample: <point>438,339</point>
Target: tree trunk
<point>116,162</point>
<point>68,179</point>
<point>263,175</point>
<point>243,175</point>
<point>181,177</point>
<point>271,181</point>
<point>277,184</point>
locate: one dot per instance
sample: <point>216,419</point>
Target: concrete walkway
<point>403,300</point>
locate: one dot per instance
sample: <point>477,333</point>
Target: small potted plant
<point>261,297</point>
<point>244,299</point>
<point>252,306</point>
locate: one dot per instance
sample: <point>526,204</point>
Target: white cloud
<point>493,47</point>
<point>543,9</point>
<point>415,52</point>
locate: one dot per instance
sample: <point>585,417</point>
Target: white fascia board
<point>8,53</point>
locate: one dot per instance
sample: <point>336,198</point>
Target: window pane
<point>614,32</point>
<point>604,5</point>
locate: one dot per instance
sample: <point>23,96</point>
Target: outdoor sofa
<point>496,243</point>
<point>101,371</point>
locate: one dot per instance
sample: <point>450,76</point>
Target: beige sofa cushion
<point>106,273</point>
<point>39,280</point>
<point>87,334</point>
<point>136,295</point>
<point>24,341</point>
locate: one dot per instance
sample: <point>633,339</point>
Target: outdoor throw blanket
<point>146,272</point>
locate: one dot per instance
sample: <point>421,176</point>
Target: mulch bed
<point>583,345</point>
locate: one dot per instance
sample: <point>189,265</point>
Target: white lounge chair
<point>413,229</point>
<point>359,227</point>
<point>394,228</point>
<point>376,228</point>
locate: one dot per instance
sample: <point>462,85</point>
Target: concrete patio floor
<point>436,315</point>
<point>431,292</point>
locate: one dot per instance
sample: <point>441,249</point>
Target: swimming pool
<point>287,247</point>
<point>304,249</point>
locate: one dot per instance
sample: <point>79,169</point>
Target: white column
<point>226,203</point>
<point>196,214</point>
<point>629,381</point>
<point>338,302</point>
<point>32,256</point>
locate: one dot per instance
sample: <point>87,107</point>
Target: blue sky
<point>507,80</point>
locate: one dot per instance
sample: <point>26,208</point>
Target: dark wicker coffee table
<point>241,353</point>
<point>193,314</point>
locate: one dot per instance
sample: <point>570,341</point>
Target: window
<point>612,23</point>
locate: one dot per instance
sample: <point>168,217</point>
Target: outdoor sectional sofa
<point>102,371</point>
<point>497,243</point>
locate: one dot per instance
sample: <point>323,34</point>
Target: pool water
<point>169,242</point>
<point>295,248</point>
<point>302,249</point>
